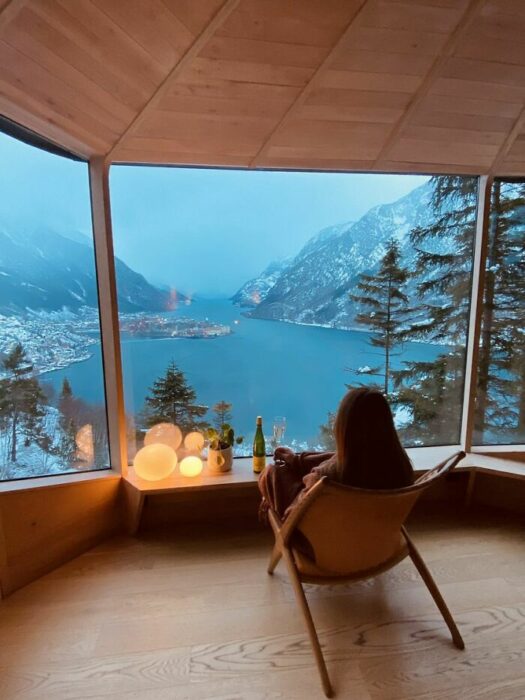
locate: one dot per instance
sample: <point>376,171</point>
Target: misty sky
<point>201,231</point>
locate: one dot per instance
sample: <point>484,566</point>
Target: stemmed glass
<point>279,429</point>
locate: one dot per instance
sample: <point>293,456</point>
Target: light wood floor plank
<point>193,616</point>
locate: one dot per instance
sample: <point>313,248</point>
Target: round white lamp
<point>84,444</point>
<point>155,462</point>
<point>191,466</point>
<point>164,434</point>
<point>194,442</point>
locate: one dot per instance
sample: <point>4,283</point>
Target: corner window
<point>248,293</point>
<point>500,396</point>
<point>52,405</point>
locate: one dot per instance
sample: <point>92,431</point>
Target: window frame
<point>99,167</point>
<point>33,139</point>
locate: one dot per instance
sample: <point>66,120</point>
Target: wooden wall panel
<point>43,527</point>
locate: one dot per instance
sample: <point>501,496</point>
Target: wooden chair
<point>354,534</point>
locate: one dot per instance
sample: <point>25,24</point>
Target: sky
<point>202,231</point>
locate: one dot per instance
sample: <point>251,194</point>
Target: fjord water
<point>266,368</point>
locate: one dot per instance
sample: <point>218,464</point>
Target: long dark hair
<point>369,453</point>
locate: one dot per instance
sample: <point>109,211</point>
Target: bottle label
<point>258,464</point>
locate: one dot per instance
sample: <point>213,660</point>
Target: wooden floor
<point>178,617</point>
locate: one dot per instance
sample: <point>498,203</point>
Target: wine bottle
<point>259,448</point>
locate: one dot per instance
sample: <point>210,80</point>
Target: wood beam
<point>440,60</point>
<point>192,52</point>
<point>307,89</point>
<point>109,323</point>
<point>9,11</point>
<point>519,126</point>
<point>476,310</point>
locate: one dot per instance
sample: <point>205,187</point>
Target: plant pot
<point>220,461</point>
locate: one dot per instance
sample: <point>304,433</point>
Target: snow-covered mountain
<point>253,292</point>
<point>41,269</point>
<point>314,287</point>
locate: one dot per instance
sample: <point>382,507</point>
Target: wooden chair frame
<point>283,549</point>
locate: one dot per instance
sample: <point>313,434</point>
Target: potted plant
<point>220,452</point>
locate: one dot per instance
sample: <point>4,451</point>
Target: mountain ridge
<point>314,288</point>
<point>42,270</point>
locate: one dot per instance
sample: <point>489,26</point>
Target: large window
<point>52,407</point>
<point>267,293</point>
<point>500,397</point>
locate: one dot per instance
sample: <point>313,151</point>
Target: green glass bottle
<point>259,448</point>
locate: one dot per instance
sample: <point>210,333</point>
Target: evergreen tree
<point>500,395</point>
<point>22,403</point>
<point>68,424</point>
<point>222,414</point>
<point>432,391</point>
<point>172,400</point>
<point>384,297</point>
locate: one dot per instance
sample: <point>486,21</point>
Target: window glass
<point>246,293</point>
<point>500,396</point>
<point>52,406</point>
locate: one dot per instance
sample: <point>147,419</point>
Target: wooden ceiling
<point>384,85</point>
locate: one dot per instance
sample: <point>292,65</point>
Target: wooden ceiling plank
<point>219,160</point>
<point>464,23</point>
<point>152,26</point>
<point>16,101</point>
<point>247,72</point>
<point>55,97</point>
<point>499,161</point>
<point>193,15</point>
<point>112,112</point>
<point>308,88</point>
<point>38,31</point>
<point>9,11</point>
<point>107,45</point>
<point>44,125</point>
<point>185,60</point>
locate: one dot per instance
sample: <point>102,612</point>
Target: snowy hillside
<point>314,287</point>
<point>44,270</point>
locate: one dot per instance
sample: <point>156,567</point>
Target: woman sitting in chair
<point>368,455</point>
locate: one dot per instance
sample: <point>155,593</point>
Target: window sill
<point>57,480</point>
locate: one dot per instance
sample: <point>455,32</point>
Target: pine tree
<point>432,391</point>
<point>172,400</point>
<point>384,297</point>
<point>68,424</point>
<point>222,414</point>
<point>22,402</point>
<point>500,395</point>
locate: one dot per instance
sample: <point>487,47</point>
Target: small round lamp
<point>155,462</point>
<point>191,466</point>
<point>194,442</point>
<point>84,444</point>
<point>164,434</point>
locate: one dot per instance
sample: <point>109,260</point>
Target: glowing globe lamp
<point>84,443</point>
<point>191,466</point>
<point>165,434</point>
<point>155,462</point>
<point>194,442</point>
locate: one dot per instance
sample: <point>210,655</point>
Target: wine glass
<point>279,429</point>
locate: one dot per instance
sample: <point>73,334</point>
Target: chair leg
<point>434,591</point>
<point>275,558</point>
<point>303,604</point>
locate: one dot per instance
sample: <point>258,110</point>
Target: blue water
<point>264,368</point>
